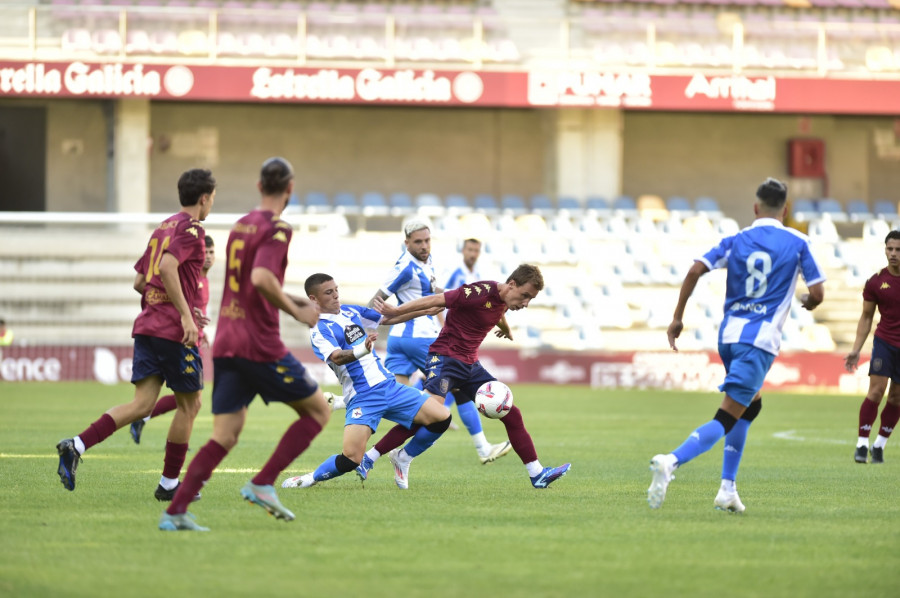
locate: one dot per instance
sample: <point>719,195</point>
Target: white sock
<point>339,402</point>
<point>168,483</point>
<point>373,454</point>
<point>146,419</point>
<point>534,468</point>
<point>880,442</point>
<point>481,443</point>
<point>862,441</point>
<point>728,485</point>
<point>79,445</point>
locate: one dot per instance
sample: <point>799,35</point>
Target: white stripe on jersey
<point>461,276</point>
<point>411,279</point>
<point>346,330</point>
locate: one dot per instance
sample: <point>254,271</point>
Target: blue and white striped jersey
<point>462,276</point>
<point>345,330</point>
<point>410,279</point>
<point>763,262</point>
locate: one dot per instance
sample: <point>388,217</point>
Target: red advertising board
<point>700,371</point>
<point>381,86</point>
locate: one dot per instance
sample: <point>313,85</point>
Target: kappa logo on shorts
<point>357,413</point>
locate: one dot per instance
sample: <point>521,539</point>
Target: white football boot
<point>663,467</point>
<point>301,481</point>
<point>727,499</point>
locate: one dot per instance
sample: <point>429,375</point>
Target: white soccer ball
<point>494,399</point>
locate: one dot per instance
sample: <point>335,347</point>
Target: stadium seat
<point>652,207</point>
<point>858,211</point>
<point>885,209</point>
<point>804,210</point>
<point>317,202</point>
<point>709,207</point>
<point>373,204</point>
<point>345,203</point>
<point>625,206</point>
<point>457,203</point>
<point>541,204</point>
<point>569,204</point>
<point>597,206</point>
<point>679,206</point>
<point>429,204</point>
<point>832,208</point>
<point>513,204</point>
<point>486,204</point>
<point>401,204</point>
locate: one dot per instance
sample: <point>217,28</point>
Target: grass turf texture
<point>817,524</point>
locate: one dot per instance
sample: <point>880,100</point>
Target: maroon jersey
<point>248,324</point>
<point>184,238</point>
<point>202,299</point>
<point>474,309</point>
<point>883,289</point>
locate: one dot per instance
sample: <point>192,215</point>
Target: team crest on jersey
<point>885,285</point>
<point>357,413</point>
<point>353,333</point>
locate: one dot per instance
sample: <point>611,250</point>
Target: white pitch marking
<point>792,435</point>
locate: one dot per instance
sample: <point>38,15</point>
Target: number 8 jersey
<point>763,263</point>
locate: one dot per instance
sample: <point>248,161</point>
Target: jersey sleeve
<point>869,289</point>
<point>455,297</point>
<point>323,341</point>
<point>717,257</point>
<point>369,317</point>
<point>399,276</point>
<point>809,267</point>
<point>272,251</point>
<point>189,238</point>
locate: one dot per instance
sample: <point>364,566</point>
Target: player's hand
<point>851,361</point>
<point>804,301</point>
<point>202,319</point>
<point>191,332</point>
<point>674,332</point>
<point>385,309</point>
<point>308,314</point>
<point>503,333</point>
<point>370,340</point>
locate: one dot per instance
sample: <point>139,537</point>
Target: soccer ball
<point>494,399</point>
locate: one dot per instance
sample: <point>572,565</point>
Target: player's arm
<point>422,304</point>
<point>814,297</point>
<point>432,311</point>
<point>862,333</point>
<point>299,308</point>
<point>168,272</point>
<point>345,356</point>
<point>140,282</point>
<point>687,289</point>
<point>379,294</point>
<point>503,329</point>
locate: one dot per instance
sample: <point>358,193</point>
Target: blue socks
<point>327,470</point>
<point>701,440</point>
<point>468,413</point>
<point>421,441</point>
<point>734,449</point>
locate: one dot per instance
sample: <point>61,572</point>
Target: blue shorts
<point>388,400</point>
<point>745,370</point>
<point>446,374</point>
<point>885,360</point>
<point>406,354</point>
<point>237,381</point>
<point>180,366</point>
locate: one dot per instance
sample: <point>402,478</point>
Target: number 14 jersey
<point>763,262</point>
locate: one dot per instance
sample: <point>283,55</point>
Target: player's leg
<point>188,406</point>
<point>70,449</point>
<point>163,405</point>
<point>868,413</point>
<point>727,498</point>
<point>890,415</point>
<point>355,438</point>
<point>408,407</point>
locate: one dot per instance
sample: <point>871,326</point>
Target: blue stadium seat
<point>709,207</point>
<point>316,201</point>
<point>345,203</point>
<point>597,205</point>
<point>541,204</point>
<point>457,202</point>
<point>832,207</point>
<point>625,205</point>
<point>374,204</point>
<point>568,203</point>
<point>804,210</point>
<point>429,204</point>
<point>885,209</point>
<point>513,203</point>
<point>679,205</point>
<point>400,204</point>
<point>858,210</point>
<point>486,203</point>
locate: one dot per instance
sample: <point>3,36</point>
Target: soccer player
<point>6,334</point>
<point>344,339</point>
<point>474,310</point>
<point>249,356</point>
<point>165,335</point>
<point>882,290</point>
<point>412,277</point>
<point>763,262</point>
<point>167,403</point>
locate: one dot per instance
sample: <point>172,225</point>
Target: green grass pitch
<point>816,524</point>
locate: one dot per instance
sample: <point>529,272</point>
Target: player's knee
<point>439,427</point>
<point>752,411</point>
<point>726,419</point>
<point>345,464</point>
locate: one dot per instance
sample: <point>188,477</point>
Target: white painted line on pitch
<point>52,456</point>
<point>792,435</point>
